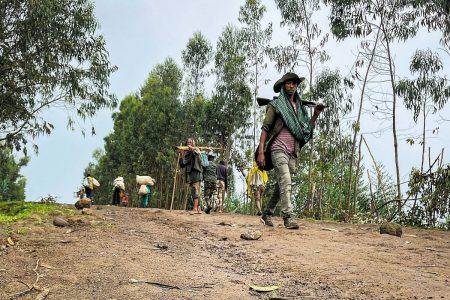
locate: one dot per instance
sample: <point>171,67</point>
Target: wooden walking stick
<point>175,180</point>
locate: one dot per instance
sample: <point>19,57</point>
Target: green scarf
<point>298,124</point>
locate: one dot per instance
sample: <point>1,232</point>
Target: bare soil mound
<point>134,253</point>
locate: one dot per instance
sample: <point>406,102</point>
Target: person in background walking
<point>118,190</point>
<point>191,160</point>
<point>146,199</point>
<point>210,179</point>
<point>222,185</point>
<point>89,186</point>
<point>256,182</point>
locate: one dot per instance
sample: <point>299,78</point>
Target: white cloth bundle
<point>144,180</point>
<point>119,183</point>
<point>143,190</point>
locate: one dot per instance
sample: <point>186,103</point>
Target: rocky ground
<point>134,253</point>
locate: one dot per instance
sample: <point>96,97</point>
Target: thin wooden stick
<point>199,147</point>
<point>175,181</point>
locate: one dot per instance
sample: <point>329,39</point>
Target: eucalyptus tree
<point>426,93</point>
<point>365,60</point>
<point>435,15</point>
<point>146,129</point>
<point>12,183</point>
<point>50,57</point>
<point>255,40</point>
<point>231,101</point>
<point>396,21</point>
<point>433,187</point>
<point>334,90</point>
<point>197,55</point>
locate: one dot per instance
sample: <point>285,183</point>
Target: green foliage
<point>435,15</point>
<point>140,144</point>
<point>428,88</point>
<point>197,55</point>
<point>333,90</point>
<point>382,193</point>
<point>12,184</point>
<point>255,42</point>
<point>254,38</point>
<point>11,211</point>
<point>431,194</point>
<point>307,38</point>
<point>329,176</point>
<point>230,105</point>
<point>50,57</point>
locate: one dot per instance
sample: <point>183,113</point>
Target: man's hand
<point>318,109</point>
<point>261,160</point>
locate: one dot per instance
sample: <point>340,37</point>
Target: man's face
<point>290,86</point>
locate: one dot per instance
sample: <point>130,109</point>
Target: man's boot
<point>289,223</point>
<point>208,205</point>
<point>266,218</point>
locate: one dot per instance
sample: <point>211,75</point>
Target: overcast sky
<point>139,35</point>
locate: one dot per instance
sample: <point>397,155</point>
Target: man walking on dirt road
<point>191,160</point>
<point>286,128</point>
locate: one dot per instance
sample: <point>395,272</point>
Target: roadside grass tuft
<point>12,211</point>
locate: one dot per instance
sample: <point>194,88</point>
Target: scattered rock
<point>224,238</point>
<point>83,203</point>
<point>86,211</point>
<point>162,246</point>
<point>10,241</point>
<point>264,288</point>
<point>391,228</point>
<point>251,235</point>
<point>329,229</point>
<point>76,221</point>
<point>60,222</point>
<point>226,224</point>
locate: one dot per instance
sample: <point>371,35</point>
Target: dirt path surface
<point>132,253</point>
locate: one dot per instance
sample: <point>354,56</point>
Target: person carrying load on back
<point>286,128</point>
<point>145,184</point>
<point>222,185</point>
<point>89,184</point>
<point>191,160</point>
<point>118,190</point>
<point>256,183</point>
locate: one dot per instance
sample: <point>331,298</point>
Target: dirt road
<point>131,253</point>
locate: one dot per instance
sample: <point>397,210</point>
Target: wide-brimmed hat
<point>288,76</point>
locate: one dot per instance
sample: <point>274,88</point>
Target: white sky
<point>141,34</point>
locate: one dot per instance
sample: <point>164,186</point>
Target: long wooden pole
<point>175,180</point>
<point>199,147</point>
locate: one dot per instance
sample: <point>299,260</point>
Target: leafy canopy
<point>50,57</point>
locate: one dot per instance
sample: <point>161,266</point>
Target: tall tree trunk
<point>357,123</point>
<point>423,135</point>
<point>394,119</point>
<point>372,200</point>
<point>355,186</point>
<point>377,169</point>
